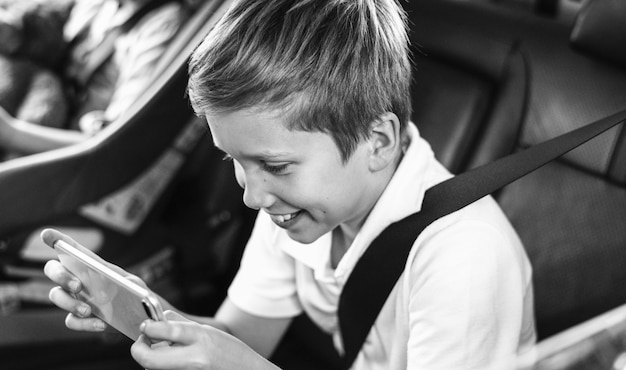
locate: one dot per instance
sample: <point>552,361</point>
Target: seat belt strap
<point>380,267</point>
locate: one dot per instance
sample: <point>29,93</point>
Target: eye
<point>274,169</point>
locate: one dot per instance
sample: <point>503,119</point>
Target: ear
<point>385,143</point>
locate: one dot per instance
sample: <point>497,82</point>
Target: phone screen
<point>113,298</point>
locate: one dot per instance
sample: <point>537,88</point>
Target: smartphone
<point>121,303</point>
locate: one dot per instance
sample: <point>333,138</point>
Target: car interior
<point>491,77</point>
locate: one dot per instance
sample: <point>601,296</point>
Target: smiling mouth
<point>286,219</point>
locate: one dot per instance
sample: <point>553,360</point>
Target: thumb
<point>174,316</point>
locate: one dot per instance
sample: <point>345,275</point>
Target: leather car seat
<point>38,188</point>
<point>571,213</point>
<point>470,87</point>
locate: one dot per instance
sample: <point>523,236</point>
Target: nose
<point>256,194</point>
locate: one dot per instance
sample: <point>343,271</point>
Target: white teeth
<point>284,218</point>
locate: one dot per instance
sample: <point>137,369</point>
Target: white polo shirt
<point>464,300</point>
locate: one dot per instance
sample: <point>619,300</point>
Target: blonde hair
<point>334,66</point>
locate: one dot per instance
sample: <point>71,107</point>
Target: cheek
<point>328,190</point>
<point>302,190</point>
<point>322,187</point>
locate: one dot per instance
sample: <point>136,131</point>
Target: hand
<point>186,344</point>
<point>92,122</point>
<point>64,296</point>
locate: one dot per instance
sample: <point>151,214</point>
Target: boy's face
<point>297,177</point>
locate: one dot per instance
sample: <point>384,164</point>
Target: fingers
<point>180,332</point>
<point>163,355</point>
<point>156,356</point>
<point>49,236</point>
<point>63,296</point>
<point>84,324</point>
<point>162,331</point>
<point>67,302</point>
<point>55,271</point>
<point>193,346</point>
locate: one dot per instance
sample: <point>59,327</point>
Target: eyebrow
<point>262,155</point>
<point>273,154</point>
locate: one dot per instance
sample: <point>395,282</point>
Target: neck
<point>344,234</point>
<point>340,244</point>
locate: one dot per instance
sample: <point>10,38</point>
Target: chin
<point>304,237</point>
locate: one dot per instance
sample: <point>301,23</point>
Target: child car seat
<point>42,188</point>
<point>37,188</point>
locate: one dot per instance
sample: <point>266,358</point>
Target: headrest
<point>600,30</point>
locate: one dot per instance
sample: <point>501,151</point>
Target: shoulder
<point>479,237</point>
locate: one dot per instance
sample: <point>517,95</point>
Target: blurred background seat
<point>571,213</point>
<point>470,87</point>
<point>55,189</point>
<point>88,171</point>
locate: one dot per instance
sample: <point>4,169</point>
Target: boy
<point>311,101</point>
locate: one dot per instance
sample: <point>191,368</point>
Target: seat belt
<point>380,267</point>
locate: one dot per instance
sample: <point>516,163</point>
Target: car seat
<point>570,214</point>
<point>51,187</point>
<point>85,172</point>
<point>470,87</point>
<point>588,329</point>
